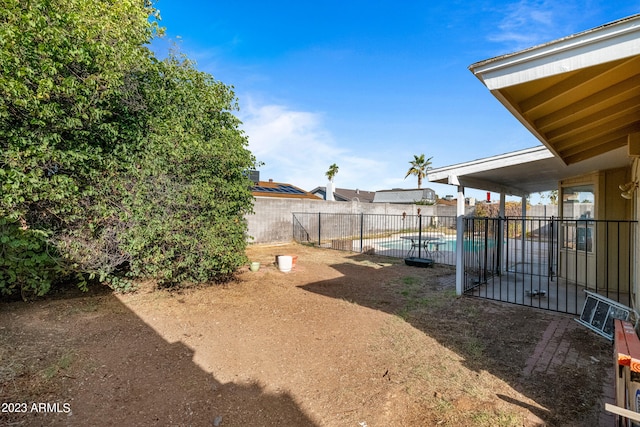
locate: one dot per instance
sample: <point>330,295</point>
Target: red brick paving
<point>554,350</point>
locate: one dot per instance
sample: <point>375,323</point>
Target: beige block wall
<point>272,221</point>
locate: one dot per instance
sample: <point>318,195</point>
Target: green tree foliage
<point>332,172</point>
<point>190,196</point>
<point>25,263</point>
<point>113,164</point>
<point>419,167</point>
<point>513,209</point>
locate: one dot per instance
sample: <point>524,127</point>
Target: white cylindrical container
<point>284,263</point>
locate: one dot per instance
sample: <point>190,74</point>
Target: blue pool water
<point>404,244</point>
<point>443,244</point>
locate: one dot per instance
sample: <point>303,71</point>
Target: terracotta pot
<point>294,259</point>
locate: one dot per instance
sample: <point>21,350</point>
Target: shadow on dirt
<point>490,336</point>
<point>95,362</point>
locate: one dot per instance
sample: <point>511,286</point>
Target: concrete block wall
<point>272,221</point>
<point>542,210</point>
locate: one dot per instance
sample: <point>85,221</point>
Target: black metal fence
<point>391,235</point>
<point>549,262</point>
<point>541,262</point>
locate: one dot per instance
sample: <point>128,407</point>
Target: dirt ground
<point>342,340</point>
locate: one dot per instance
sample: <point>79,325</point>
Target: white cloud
<point>297,148</point>
<point>530,22</point>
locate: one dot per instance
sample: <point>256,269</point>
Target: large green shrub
<point>26,265</point>
<point>189,200</point>
<point>113,164</point>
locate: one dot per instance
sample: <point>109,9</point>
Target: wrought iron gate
<point>548,263</point>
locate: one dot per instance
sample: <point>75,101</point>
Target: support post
<point>419,236</point>
<point>524,229</point>
<point>361,231</point>
<point>460,241</point>
<point>500,242</point>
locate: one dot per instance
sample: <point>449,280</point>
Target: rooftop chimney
<point>328,194</point>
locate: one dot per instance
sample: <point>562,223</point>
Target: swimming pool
<point>448,244</point>
<point>405,244</point>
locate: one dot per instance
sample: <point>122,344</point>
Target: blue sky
<point>367,85</point>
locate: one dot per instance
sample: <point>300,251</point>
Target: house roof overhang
<point>522,172</point>
<point>579,95</point>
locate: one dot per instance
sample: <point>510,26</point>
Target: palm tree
<point>333,170</point>
<point>419,167</point>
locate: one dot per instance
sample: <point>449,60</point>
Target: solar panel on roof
<point>264,189</point>
<point>290,189</point>
<point>285,189</point>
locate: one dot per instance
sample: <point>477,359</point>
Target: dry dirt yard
<point>342,340</point>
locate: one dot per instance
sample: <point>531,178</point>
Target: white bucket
<point>284,263</point>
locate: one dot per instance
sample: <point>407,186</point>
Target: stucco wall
<point>272,220</point>
<point>542,210</point>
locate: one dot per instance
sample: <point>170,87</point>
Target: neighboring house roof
<point>345,194</point>
<point>279,189</point>
<point>404,196</point>
<point>359,195</point>
<point>579,95</point>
